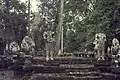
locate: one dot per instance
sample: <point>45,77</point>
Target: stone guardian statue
<point>99,42</point>
<point>115,46</point>
<point>49,37</point>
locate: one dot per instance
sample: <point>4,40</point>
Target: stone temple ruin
<point>70,66</point>
<point>53,40</point>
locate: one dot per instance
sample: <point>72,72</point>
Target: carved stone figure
<point>27,43</point>
<point>115,50</point>
<point>115,46</point>
<point>99,43</point>
<point>14,47</point>
<point>48,36</point>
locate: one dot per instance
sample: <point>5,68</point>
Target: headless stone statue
<point>48,36</point>
<point>99,43</point>
<point>14,47</point>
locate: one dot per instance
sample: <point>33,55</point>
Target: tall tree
<point>74,31</point>
<point>59,38</point>
<point>88,17</point>
<point>48,11</point>
<point>103,18</point>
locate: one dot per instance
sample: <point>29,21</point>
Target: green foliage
<point>82,20</point>
<point>103,17</point>
<point>13,18</point>
<point>74,30</point>
<point>48,11</point>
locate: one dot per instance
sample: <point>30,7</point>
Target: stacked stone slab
<point>108,70</point>
<point>65,69</point>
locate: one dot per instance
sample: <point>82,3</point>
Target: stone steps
<point>66,70</point>
<point>110,76</point>
<point>109,71</point>
<point>88,78</point>
<point>61,68</point>
<point>64,60</point>
<point>47,76</point>
<point>77,74</point>
<point>70,68</point>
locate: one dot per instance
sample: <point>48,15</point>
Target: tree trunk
<point>28,17</point>
<point>59,40</point>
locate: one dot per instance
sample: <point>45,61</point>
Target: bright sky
<point>33,4</point>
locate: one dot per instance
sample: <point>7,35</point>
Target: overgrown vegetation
<point>82,20</point>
